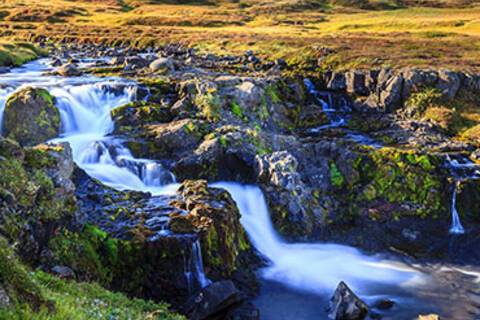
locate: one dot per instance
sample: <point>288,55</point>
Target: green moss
<point>336,177</point>
<point>209,105</point>
<point>237,110</point>
<point>400,177</point>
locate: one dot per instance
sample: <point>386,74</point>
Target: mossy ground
<point>14,54</point>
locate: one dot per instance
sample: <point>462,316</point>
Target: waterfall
<point>462,169</point>
<point>85,104</point>
<point>194,274</point>
<point>309,266</point>
<point>457,227</point>
<point>333,115</point>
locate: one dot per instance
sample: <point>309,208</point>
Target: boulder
<point>345,305</point>
<point>69,70</point>
<point>31,117</point>
<point>135,62</point>
<point>63,272</point>
<point>449,82</point>
<point>391,97</point>
<point>162,65</point>
<point>248,95</point>
<point>214,215</point>
<point>214,301</point>
<point>356,83</point>
<point>4,298</point>
<point>337,82</point>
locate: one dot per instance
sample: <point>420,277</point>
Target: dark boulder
<point>214,301</point>
<point>345,305</point>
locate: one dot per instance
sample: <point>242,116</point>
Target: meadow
<point>309,34</point>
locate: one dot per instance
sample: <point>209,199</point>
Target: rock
<point>135,62</point>
<point>391,97</point>
<point>4,298</point>
<point>162,65</point>
<point>356,83</point>
<point>429,317</point>
<point>118,60</point>
<point>449,83</point>
<point>63,272</point>
<point>345,305</point>
<point>214,301</point>
<point>214,215</point>
<point>337,82</point>
<point>384,304</point>
<point>248,95</point>
<point>69,70</point>
<point>31,117</point>
<point>56,62</point>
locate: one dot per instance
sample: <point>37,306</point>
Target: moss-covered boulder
<point>31,117</point>
<point>214,215</point>
<point>36,195</point>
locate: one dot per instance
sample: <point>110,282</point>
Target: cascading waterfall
<point>456,227</point>
<point>85,104</point>
<point>194,274</point>
<point>326,101</point>
<point>462,169</point>
<point>307,266</point>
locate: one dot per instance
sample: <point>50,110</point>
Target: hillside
<point>336,34</point>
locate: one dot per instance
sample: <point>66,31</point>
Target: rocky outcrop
<point>147,246</point>
<point>345,305</point>
<point>213,215</point>
<point>388,90</point>
<point>31,117</point>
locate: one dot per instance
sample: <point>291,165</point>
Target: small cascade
<point>194,274</point>
<point>457,227</point>
<point>327,102</point>
<point>462,169</point>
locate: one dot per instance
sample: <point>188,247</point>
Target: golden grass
<point>291,29</point>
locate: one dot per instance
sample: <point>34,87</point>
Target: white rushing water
<point>85,104</point>
<point>308,266</point>
<point>456,227</point>
<point>462,169</point>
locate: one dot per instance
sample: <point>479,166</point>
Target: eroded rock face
<point>31,117</point>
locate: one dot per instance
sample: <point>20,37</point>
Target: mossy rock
<point>31,117</point>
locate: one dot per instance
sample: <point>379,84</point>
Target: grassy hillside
<point>356,33</point>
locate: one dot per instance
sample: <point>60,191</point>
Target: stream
<point>300,277</point>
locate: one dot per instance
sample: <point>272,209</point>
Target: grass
<point>84,301</point>
<point>17,53</point>
<point>359,33</point>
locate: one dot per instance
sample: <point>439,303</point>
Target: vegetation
<point>325,34</point>
<point>14,54</point>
